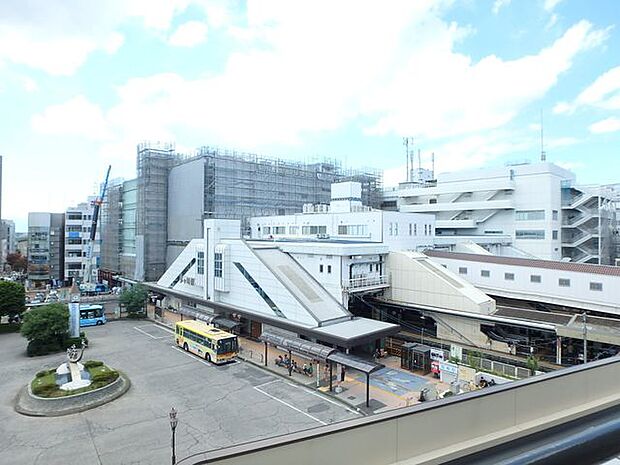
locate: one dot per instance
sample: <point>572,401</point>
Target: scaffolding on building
<point>237,185</point>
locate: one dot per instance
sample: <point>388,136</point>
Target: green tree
<point>46,328</point>
<point>134,299</point>
<point>12,298</point>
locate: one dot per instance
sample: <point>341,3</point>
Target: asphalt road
<point>218,405</point>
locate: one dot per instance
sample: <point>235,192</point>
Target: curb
<point>24,394</point>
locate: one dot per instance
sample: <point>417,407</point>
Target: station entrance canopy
<point>322,353</point>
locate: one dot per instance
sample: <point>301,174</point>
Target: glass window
<point>396,229</point>
<point>509,276</point>
<point>201,263</point>
<point>267,230</point>
<point>462,270</point>
<point>217,265</point>
<point>320,268</point>
<point>535,278</point>
<point>293,230</point>
<point>563,282</point>
<point>554,215</point>
<point>530,234</point>
<point>596,286</point>
<point>415,229</point>
<point>279,230</point>
<point>329,268</point>
<point>554,235</point>
<point>529,215</point>
<point>410,229</point>
<point>485,273</point>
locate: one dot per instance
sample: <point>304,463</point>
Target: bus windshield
<point>225,346</point>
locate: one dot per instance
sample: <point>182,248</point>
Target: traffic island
<point>57,402</point>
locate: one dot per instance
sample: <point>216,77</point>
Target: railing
<point>366,281</point>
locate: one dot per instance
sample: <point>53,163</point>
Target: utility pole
<point>585,338</point>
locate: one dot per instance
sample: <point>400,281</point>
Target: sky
<point>82,83</point>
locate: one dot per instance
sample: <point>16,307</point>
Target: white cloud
<point>76,117</point>
<point>603,93</point>
<point>552,21</point>
<point>499,4</point>
<point>607,125</point>
<point>29,84</point>
<point>551,4</point>
<point>440,93</point>
<point>189,34</point>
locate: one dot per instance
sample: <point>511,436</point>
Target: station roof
<point>528,262</point>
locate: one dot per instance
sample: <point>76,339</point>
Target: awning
<point>356,363</point>
<point>202,316</point>
<point>311,349</point>
<point>223,322</point>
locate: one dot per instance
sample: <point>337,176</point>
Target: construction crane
<point>88,285</point>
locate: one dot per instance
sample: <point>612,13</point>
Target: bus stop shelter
<point>321,353</point>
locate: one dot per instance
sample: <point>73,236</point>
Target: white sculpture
<point>73,370</point>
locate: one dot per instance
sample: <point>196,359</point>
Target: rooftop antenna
<point>543,155</point>
<point>433,164</point>
<point>419,162</point>
<point>406,142</point>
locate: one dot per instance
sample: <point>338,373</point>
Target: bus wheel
<point>185,348</point>
<point>207,356</point>
<point>99,323</point>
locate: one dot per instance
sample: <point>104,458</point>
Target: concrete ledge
<point>28,404</point>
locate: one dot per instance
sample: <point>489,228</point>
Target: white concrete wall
<point>414,279</point>
<point>380,227</point>
<point>548,289</point>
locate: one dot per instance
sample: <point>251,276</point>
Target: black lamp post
<point>173,426</point>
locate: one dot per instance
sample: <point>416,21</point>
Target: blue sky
<point>81,83</point>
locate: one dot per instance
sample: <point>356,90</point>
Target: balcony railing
<point>366,282</point>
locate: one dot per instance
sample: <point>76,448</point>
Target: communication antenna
<point>419,162</point>
<point>406,142</point>
<point>543,154</point>
<point>433,164</point>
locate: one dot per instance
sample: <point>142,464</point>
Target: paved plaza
<point>218,405</point>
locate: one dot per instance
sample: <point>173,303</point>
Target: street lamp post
<point>173,426</point>
<point>585,337</point>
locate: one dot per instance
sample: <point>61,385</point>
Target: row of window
<point>78,216</point>
<point>534,215</point>
<point>413,229</point>
<point>321,268</point>
<point>352,230</point>
<point>77,228</point>
<point>534,234</point>
<point>534,278</point>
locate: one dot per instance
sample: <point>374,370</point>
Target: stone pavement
<point>390,388</point>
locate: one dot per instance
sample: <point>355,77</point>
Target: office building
<point>78,222</point>
<point>7,239</point>
<point>46,248</point>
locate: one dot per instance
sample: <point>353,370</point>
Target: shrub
<point>44,385</point>
<point>92,363</point>
<point>136,315</point>
<point>43,373</point>
<point>37,347</point>
<point>10,328</point>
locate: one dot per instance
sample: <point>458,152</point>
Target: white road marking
<point>193,357</point>
<point>291,406</point>
<point>316,394</point>
<point>269,382</point>
<point>148,334</point>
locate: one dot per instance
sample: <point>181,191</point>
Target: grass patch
<point>44,384</point>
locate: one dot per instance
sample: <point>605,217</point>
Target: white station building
<point>530,210</point>
<point>346,219</point>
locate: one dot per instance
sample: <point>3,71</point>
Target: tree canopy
<point>12,298</point>
<point>134,298</point>
<point>46,329</point>
<point>17,261</point>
